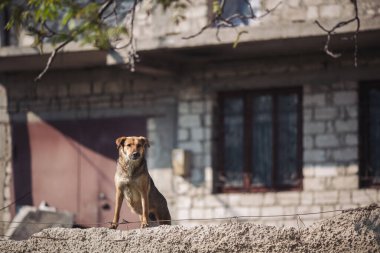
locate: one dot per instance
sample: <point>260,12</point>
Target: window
<point>261,140</point>
<point>4,33</point>
<point>370,134</point>
<point>240,12</point>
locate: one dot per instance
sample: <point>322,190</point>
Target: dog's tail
<point>164,214</point>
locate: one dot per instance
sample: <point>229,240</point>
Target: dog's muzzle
<point>135,155</point>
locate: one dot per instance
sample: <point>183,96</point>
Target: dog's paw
<point>144,225</point>
<point>113,226</point>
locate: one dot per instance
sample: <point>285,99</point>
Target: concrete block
<point>234,198</point>
<point>193,146</point>
<point>346,125</point>
<point>344,197</point>
<point>364,196</point>
<point>325,113</point>
<point>308,142</point>
<point>197,213</point>
<point>313,2</point>
<point>197,133</point>
<point>188,121</point>
<point>352,169</point>
<point>345,155</point>
<point>252,199</point>
<point>307,114</point>
<point>269,199</point>
<point>220,212</point>
<point>294,3</point>
<point>351,111</point>
<point>326,141</point>
<point>29,214</point>
<point>330,211</point>
<point>313,127</point>
<point>272,211</point>
<point>288,198</point>
<point>315,155</point>
<point>314,184</point>
<point>345,98</point>
<point>3,141</point>
<point>220,200</point>
<point>330,11</point>
<point>207,119</point>
<point>308,172</point>
<point>240,211</point>
<point>345,182</point>
<point>314,100</point>
<point>312,13</point>
<point>184,202</point>
<point>182,214</point>
<point>321,171</point>
<point>184,108</point>
<point>183,135</point>
<point>309,212</point>
<point>3,97</point>
<point>307,198</point>
<point>326,197</point>
<point>197,107</point>
<point>351,140</point>
<point>80,89</point>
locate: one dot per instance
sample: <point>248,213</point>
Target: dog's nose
<point>135,155</point>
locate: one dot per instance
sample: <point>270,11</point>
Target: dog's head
<point>133,147</point>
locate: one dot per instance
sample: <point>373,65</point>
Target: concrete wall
<point>180,115</point>
<point>5,159</point>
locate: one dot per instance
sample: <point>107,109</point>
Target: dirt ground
<point>356,230</point>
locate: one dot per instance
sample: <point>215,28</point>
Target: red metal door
<point>72,164</point>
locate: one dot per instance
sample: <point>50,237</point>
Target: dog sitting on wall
<point>133,182</point>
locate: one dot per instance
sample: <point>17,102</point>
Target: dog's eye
<point>129,145</point>
<point>139,145</point>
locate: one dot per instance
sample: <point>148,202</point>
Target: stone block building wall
<point>330,166</point>
<point>5,159</point>
<point>180,112</point>
<point>180,115</point>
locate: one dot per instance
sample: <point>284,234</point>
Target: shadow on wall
<point>70,163</point>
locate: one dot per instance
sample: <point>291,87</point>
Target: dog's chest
<point>128,187</point>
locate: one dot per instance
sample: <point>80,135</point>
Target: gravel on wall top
<point>355,230</point>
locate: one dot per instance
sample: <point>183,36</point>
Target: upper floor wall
<point>291,18</point>
<point>287,19</point>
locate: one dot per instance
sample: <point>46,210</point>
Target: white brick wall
<point>330,170</point>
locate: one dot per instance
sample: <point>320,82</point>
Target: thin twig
<point>331,31</point>
<point>105,6</point>
<point>218,21</point>
<point>51,59</point>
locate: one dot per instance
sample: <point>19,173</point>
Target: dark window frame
<point>218,154</point>
<point>365,180</point>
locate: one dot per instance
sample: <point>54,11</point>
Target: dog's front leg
<point>118,203</point>
<point>145,209</point>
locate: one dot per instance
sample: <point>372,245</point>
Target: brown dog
<point>134,183</point>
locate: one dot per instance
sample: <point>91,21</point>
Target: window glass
<point>287,132</point>
<point>233,141</point>
<point>374,135</point>
<point>262,141</point>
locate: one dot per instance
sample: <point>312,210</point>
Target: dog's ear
<point>145,141</point>
<point>120,141</point>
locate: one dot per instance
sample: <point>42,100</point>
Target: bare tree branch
<point>331,31</point>
<point>218,21</point>
<point>51,59</point>
<point>105,6</point>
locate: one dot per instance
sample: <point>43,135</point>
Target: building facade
<point>274,127</point>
